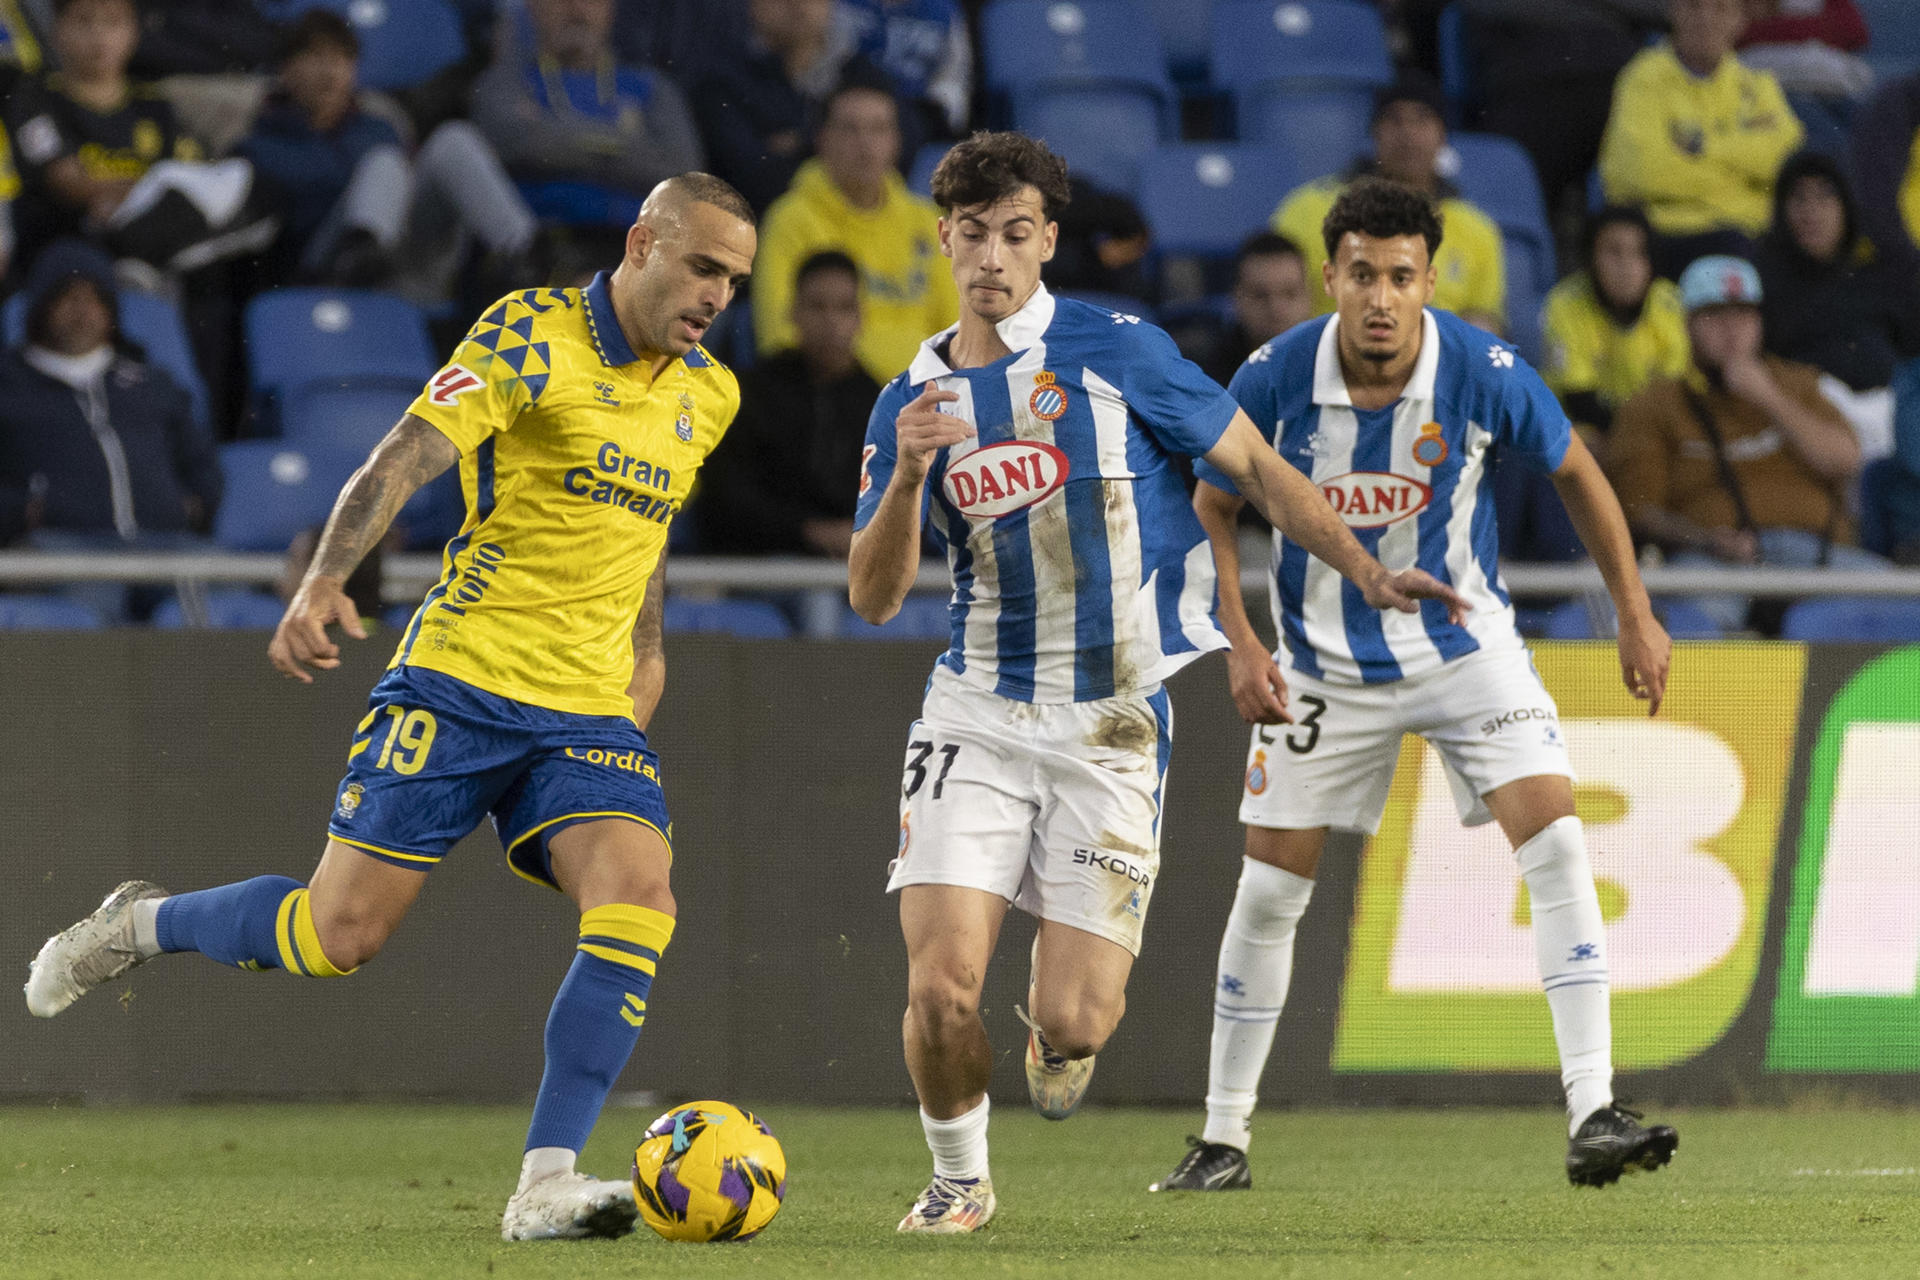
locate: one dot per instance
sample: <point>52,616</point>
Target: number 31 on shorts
<point>919,752</point>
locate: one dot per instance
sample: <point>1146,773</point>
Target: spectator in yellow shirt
<point>1695,138</point>
<point>1409,133</point>
<point>852,198</point>
<point>1612,327</point>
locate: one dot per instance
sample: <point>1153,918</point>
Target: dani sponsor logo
<point>1000,479</point>
<point>1371,499</point>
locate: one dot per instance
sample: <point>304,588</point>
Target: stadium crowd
<point>242,231</point>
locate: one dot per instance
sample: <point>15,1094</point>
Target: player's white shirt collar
<point>1019,331</point>
<point>1330,385</point>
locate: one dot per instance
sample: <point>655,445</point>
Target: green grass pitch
<point>395,1192</point>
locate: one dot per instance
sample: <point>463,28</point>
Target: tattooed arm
<point>413,453</point>
<point>649,655</point>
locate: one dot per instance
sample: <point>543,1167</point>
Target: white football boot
<point>98,949</point>
<point>951,1207</point>
<point>569,1206</point>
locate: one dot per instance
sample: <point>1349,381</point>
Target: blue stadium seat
<point>1325,129</point>
<point>1104,132</point>
<point>1894,47</point>
<point>1206,198</point>
<point>151,321</point>
<point>1089,76</point>
<point>1685,621</point>
<point>1268,49</point>
<point>1456,59</point>
<point>1577,620</point>
<point>1862,619</point>
<point>227,610</point>
<point>920,172</point>
<point>434,513</point>
<point>1877,480</point>
<point>340,337</point>
<point>1496,174</point>
<point>921,617</point>
<point>46,613</point>
<point>745,619</point>
<point>352,417</point>
<point>274,490</point>
<point>1526,295</point>
<point>402,42</point>
<point>1186,33</point>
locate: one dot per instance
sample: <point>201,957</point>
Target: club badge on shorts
<point>1257,774</point>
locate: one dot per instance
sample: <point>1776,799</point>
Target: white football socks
<point>544,1162</point>
<point>1570,942</point>
<point>1250,989</point>
<point>146,927</point>
<point>959,1145</point>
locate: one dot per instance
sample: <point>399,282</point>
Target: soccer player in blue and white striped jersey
<point>1034,440</point>
<point>1397,413</point>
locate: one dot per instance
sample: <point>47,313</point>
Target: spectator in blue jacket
<point>924,46</point>
<point>96,445</point>
<point>586,135</point>
<point>354,198</point>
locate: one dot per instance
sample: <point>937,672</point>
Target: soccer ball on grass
<point>708,1172</point>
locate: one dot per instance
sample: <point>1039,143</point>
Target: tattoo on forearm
<point>413,453</point>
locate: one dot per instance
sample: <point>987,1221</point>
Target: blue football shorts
<point>436,755</point>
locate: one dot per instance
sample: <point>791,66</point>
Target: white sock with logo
<point>1570,943</point>
<point>959,1145</point>
<point>1250,989</point>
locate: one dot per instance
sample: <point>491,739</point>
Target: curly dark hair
<point>1381,208</point>
<point>988,167</point>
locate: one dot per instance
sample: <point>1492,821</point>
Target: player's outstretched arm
<point>885,557</point>
<point>1253,677</point>
<point>413,453</point>
<point>649,651</point>
<point>1294,506</point>
<point>1645,649</point>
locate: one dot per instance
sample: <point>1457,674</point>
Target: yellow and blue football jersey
<point>574,460</point>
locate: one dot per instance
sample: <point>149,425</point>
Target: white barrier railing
<point>409,576</point>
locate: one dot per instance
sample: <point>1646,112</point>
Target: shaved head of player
<point>688,254</point>
<point>1381,280</point>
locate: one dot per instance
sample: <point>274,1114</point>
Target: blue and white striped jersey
<point>1414,481</point>
<point>1079,568</point>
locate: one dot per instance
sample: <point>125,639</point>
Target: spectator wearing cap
<point>852,198</point>
<point>781,482</point>
<point>1409,133</point>
<point>353,196</point>
<point>1831,302</point>
<point>1695,138</point>
<point>587,135</point>
<point>1612,327</point>
<point>1740,460</point>
<point>94,442</point>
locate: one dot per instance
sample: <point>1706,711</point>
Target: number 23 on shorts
<point>409,737</point>
<point>919,751</point>
<point>1304,735</point>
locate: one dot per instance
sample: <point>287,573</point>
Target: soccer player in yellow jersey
<point>523,685</point>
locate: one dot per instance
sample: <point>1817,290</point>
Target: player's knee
<point>350,935</point>
<point>1079,1027</point>
<point>942,1008</point>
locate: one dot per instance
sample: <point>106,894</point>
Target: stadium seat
<point>227,610</point>
<point>402,42</point>
<point>434,513</point>
<point>1331,50</point>
<point>350,417</point>
<point>1526,295</point>
<point>1186,33</point>
<point>1860,619</point>
<point>274,490</point>
<point>921,617</point>
<point>339,337</point>
<point>1206,198</point>
<point>1582,620</point>
<point>1088,76</point>
<point>1104,132</point>
<point>1456,60</point>
<point>1878,479</point>
<point>151,321</point>
<point>1324,130</point>
<point>920,172</point>
<point>744,619</point>
<point>1894,27</point>
<point>1496,174</point>
<point>46,613</point>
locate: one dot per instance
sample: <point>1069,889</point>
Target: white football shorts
<point>1053,806</point>
<point>1487,714</point>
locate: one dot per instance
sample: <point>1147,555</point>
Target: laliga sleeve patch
<point>451,383</point>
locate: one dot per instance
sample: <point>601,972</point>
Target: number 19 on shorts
<point>408,737</point>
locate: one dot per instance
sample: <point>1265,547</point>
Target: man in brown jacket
<point>1740,460</point>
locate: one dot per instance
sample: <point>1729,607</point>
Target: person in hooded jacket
<point>1832,301</point>
<point>97,447</point>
